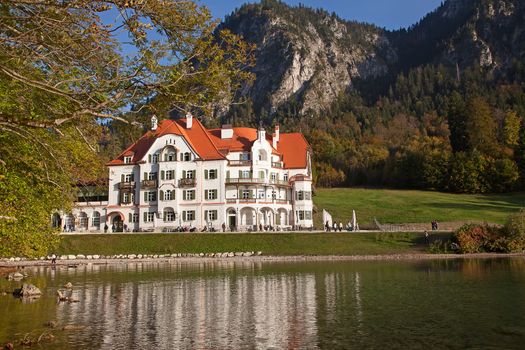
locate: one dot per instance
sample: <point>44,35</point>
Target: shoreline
<point>262,258</point>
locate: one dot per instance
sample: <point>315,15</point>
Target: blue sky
<point>391,14</point>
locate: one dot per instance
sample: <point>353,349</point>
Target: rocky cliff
<point>308,57</point>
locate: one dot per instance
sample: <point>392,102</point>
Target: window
<point>187,156</point>
<point>95,220</point>
<point>273,176</point>
<point>261,174</point>
<point>304,215</point>
<point>155,158</point>
<point>188,174</point>
<point>246,194</point>
<point>171,157</point>
<point>285,177</point>
<point>244,174</point>
<point>132,218</point>
<point>150,196</point>
<point>152,176</point>
<point>261,194</point>
<point>169,215</point>
<point>125,198</point>
<point>169,195</point>
<point>128,178</point>
<point>274,194</point>
<point>188,195</point>
<point>210,215</point>
<point>210,194</point>
<point>188,215</point>
<point>210,174</point>
<point>149,216</point>
<point>303,195</point>
<point>170,175</point>
<point>127,160</point>
<point>83,218</point>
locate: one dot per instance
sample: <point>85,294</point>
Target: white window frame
<point>151,196</point>
<point>170,174</point>
<point>188,215</point>
<point>188,195</point>
<point>212,174</point>
<point>127,159</point>
<point>211,194</point>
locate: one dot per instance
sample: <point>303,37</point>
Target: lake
<point>250,304</point>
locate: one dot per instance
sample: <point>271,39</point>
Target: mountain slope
<point>309,57</point>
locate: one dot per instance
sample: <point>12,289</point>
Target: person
<point>113,228</point>
<point>327,226</point>
<point>65,228</point>
<point>340,226</point>
<point>334,226</point>
<point>53,259</point>
<point>223,227</point>
<point>427,239</point>
<point>106,228</point>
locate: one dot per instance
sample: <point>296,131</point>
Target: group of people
<point>434,224</point>
<point>334,227</point>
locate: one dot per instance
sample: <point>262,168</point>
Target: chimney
<point>154,122</point>
<point>189,120</point>
<point>226,131</point>
<point>275,137</point>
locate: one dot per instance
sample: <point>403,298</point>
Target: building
<point>180,174</point>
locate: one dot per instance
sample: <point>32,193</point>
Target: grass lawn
<point>269,244</point>
<point>402,206</point>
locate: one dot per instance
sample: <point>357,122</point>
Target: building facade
<point>180,174</point>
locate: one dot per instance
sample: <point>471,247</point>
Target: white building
<point>180,174</point>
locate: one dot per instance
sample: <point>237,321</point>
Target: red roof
<point>208,143</point>
<point>294,149</point>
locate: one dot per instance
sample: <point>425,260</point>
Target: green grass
<point>402,206</point>
<point>269,244</point>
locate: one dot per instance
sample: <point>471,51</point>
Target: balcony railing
<point>257,200</point>
<point>126,185</point>
<point>148,183</point>
<point>187,183</point>
<point>240,163</point>
<point>250,180</point>
<point>277,165</point>
<point>279,182</point>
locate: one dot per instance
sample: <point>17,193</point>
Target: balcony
<point>187,183</point>
<point>249,180</point>
<point>126,186</point>
<point>148,184</point>
<point>278,165</point>
<point>240,163</point>
<point>280,182</point>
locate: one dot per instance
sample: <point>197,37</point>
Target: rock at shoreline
<point>27,290</point>
<point>68,285</point>
<point>17,276</point>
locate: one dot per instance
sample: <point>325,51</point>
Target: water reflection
<point>194,311</point>
<point>450,304</point>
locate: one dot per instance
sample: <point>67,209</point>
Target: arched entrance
<point>232,219</point>
<point>117,222</point>
<point>248,218</point>
<point>281,219</point>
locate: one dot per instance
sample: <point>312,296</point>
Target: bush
<point>475,238</point>
<point>515,225</point>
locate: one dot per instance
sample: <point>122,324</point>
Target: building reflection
<point>220,305</point>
